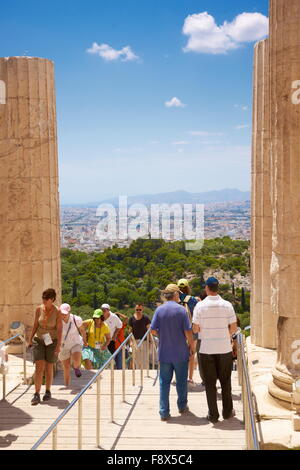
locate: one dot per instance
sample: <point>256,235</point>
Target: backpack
<point>187,308</point>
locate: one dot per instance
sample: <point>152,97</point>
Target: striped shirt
<point>214,315</point>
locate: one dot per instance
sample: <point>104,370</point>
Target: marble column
<point>29,202</point>
<point>285,175</point>
<point>263,321</point>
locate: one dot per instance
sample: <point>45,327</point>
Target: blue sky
<point>116,133</point>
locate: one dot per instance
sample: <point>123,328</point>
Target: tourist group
<point>183,326</point>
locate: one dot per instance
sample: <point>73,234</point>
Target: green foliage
<point>124,276</point>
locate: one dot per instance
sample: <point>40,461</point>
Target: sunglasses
<point>138,309</point>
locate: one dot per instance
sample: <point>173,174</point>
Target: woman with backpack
<point>73,338</point>
<point>189,302</point>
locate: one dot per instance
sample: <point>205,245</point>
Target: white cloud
<point>108,53</point>
<point>243,108</point>
<point>174,103</point>
<point>180,143</point>
<point>205,36</point>
<point>242,126</point>
<point>205,133</point>
<point>247,27</point>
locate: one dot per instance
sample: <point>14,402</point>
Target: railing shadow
<point>127,419</point>
<point>12,417</point>
<point>6,441</point>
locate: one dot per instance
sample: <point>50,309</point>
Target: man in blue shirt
<point>171,324</point>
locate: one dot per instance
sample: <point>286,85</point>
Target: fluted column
<point>269,339</point>
<point>29,202</point>
<point>285,164</point>
<point>263,321</point>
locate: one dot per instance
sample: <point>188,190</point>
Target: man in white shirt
<point>215,318</point>
<point>114,323</point>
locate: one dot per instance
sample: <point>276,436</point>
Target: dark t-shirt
<point>139,327</point>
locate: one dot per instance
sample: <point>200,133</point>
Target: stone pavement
<point>136,425</point>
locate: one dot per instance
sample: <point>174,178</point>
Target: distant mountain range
<point>177,197</point>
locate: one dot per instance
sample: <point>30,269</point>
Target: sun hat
<point>65,309</point>
<point>183,283</point>
<point>105,306</point>
<point>171,288</point>
<point>98,313</point>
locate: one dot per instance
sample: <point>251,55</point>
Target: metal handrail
<point>247,396</point>
<point>53,428</point>
<point>2,343</point>
<point>10,339</point>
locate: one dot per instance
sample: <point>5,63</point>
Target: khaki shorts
<point>66,353</point>
<point>41,352</point>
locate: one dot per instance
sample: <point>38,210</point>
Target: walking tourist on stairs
<point>98,338</point>
<point>215,318</point>
<point>115,325</point>
<point>171,324</point>
<point>139,324</point>
<point>73,338</point>
<point>189,302</point>
<point>45,338</point>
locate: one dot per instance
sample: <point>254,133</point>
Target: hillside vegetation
<point>124,276</point>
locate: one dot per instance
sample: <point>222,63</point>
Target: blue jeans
<point>165,379</point>
<point>118,360</point>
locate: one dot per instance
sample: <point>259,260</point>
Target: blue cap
<point>212,281</point>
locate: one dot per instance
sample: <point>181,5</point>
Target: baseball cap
<point>212,281</point>
<point>171,288</point>
<point>106,306</point>
<point>183,283</point>
<point>65,309</point>
<point>98,313</point>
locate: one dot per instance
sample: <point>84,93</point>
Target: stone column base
<point>281,388</point>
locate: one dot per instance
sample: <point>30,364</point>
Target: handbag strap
<point>76,326</point>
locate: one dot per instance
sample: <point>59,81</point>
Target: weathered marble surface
<point>263,320</point>
<point>29,202</point>
<point>285,176</point>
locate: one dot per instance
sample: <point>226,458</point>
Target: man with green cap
<point>98,338</point>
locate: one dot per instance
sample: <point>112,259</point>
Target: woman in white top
<point>73,338</point>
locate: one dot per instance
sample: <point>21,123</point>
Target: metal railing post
<point>252,441</point>
<point>98,417</point>
<point>141,352</point>
<point>24,360</point>
<point>123,373</point>
<point>153,353</point>
<point>4,387</point>
<point>112,392</point>
<point>80,423</point>
<point>148,355</point>
<point>133,364</point>
<point>54,439</point>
